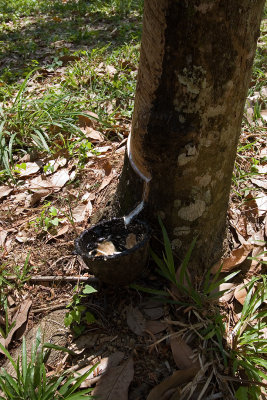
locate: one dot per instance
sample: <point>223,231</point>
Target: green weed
<point>31,381</point>
<point>249,344</point>
<point>48,220</point>
<point>22,274</point>
<point>245,353</point>
<point>78,316</point>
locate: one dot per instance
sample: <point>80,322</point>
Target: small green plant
<point>78,316</point>
<point>22,273</point>
<point>181,279</point>
<point>249,345</point>
<point>7,326</point>
<point>5,285</point>
<point>48,219</point>
<point>31,382</point>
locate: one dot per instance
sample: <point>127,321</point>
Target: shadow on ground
<point>40,38</point>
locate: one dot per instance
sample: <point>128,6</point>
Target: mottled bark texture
<point>195,65</point>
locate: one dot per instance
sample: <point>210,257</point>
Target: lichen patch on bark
<point>203,180</point>
<point>189,153</point>
<point>181,230</point>
<point>193,211</point>
<point>176,244</point>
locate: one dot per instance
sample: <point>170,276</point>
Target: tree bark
<point>195,65</point>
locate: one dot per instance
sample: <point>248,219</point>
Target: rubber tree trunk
<point>195,65</point>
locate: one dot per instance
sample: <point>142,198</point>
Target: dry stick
<point>58,278</point>
<point>230,378</point>
<point>51,308</point>
<point>85,362</point>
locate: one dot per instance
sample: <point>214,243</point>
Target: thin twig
<point>58,278</point>
<point>51,308</point>
<point>230,378</point>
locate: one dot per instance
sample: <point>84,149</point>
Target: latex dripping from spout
<point>128,218</point>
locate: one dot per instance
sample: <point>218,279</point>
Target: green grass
<point>239,347</point>
<point>29,380</point>
<point>42,93</point>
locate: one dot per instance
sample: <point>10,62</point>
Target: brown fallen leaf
<point>260,183</point>
<point>154,312</point>
<point>182,353</point>
<point>83,342</point>
<point>38,195</point>
<point>240,294</point>
<point>229,292</point>
<point>24,237</point>
<point>20,319</point>
<point>261,201</point>
<point>67,58</point>
<point>111,70</point>
<point>54,182</point>
<point>60,232</point>
<point>31,169</point>
<point>174,381</point>
<point>102,149</point>
<point>262,169</point>
<point>107,168</point>
<point>114,384</point>
<point>81,212</point>
<point>251,208</point>
<point>106,181</point>
<point>105,364</point>
<point>155,327</point>
<point>3,235</point>
<point>242,226</point>
<point>264,115</point>
<point>55,165</point>
<point>89,119</point>
<point>93,135</point>
<point>135,320</point>
<point>237,257</point>
<point>4,191</point>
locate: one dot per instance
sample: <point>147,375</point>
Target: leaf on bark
<point>182,353</point>
<point>136,321</point>
<point>114,384</point>
<point>236,258</point>
<point>174,381</point>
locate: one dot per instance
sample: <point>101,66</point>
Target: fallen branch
<point>57,278</point>
<point>51,308</point>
